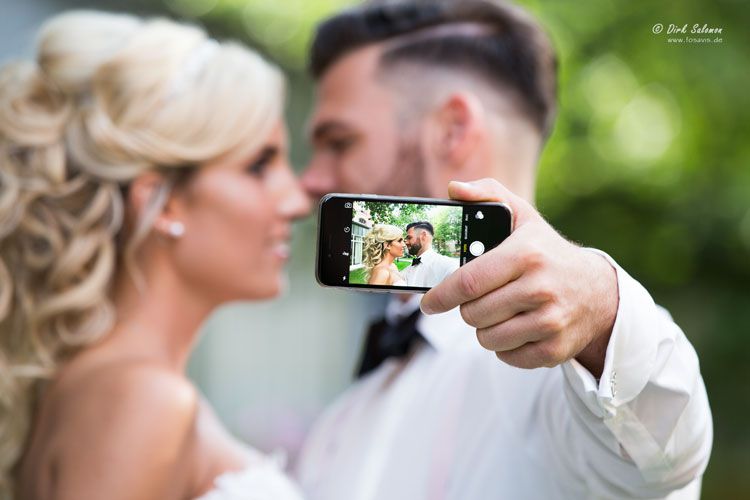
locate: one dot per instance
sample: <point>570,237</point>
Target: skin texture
<point>386,273</point>
<point>121,420</point>
<point>560,301</point>
<point>396,248</point>
<point>358,144</point>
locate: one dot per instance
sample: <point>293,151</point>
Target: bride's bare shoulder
<point>125,395</point>
<point>136,414</point>
<point>379,274</point>
<point>123,382</point>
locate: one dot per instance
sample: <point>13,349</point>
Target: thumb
<point>492,190</point>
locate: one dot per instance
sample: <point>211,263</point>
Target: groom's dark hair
<point>497,42</point>
<point>422,225</point>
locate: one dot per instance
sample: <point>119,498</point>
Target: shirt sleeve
<point>449,265</point>
<point>644,429</point>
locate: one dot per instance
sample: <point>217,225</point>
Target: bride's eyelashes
<point>265,158</point>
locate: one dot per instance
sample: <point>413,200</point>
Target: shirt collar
<point>442,331</point>
<point>428,254</point>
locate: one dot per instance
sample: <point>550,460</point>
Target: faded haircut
<point>495,41</point>
<point>426,226</point>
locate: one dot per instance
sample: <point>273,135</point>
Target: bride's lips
<point>281,250</point>
<point>281,243</point>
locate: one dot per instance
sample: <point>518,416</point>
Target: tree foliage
<point>447,224</point>
<point>396,214</point>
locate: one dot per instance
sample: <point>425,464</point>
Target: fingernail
<point>425,309</point>
<point>464,185</point>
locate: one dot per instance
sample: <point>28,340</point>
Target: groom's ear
<point>458,127</point>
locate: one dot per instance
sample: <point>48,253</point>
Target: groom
<point>428,267</point>
<point>597,393</point>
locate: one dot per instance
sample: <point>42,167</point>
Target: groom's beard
<point>407,177</point>
<point>414,249</point>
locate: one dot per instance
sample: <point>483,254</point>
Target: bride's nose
<point>293,200</point>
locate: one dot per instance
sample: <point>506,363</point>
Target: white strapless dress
<point>399,281</point>
<point>262,479</point>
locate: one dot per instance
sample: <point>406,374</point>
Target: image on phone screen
<point>403,244</point>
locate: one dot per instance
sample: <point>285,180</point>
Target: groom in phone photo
<point>428,267</point>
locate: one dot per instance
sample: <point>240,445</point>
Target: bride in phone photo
<point>382,246</point>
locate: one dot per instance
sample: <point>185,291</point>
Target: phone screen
<point>403,244</point>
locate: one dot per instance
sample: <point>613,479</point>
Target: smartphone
<point>396,244</point>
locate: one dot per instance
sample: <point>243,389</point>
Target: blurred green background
<point>649,161</point>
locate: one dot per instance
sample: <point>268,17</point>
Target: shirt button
<point>613,383</point>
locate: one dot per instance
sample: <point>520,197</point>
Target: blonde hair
<point>375,245</point>
<point>108,97</point>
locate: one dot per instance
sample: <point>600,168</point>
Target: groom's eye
<point>339,145</point>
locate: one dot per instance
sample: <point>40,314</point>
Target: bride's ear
<point>143,200</point>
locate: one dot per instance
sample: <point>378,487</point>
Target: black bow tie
<point>385,340</point>
<point>416,261</point>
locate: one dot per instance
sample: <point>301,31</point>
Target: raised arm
<point>640,422</point>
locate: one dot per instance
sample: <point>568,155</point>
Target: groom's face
<point>359,146</point>
<point>413,243</point>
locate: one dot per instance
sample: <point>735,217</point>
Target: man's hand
<point>537,299</point>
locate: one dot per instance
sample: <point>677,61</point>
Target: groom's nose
<point>318,179</point>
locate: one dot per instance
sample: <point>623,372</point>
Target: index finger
<point>491,190</point>
<point>482,275</point>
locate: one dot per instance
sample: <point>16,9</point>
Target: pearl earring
<point>176,229</point>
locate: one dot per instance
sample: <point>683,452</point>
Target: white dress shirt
<point>432,269</point>
<point>455,423</point>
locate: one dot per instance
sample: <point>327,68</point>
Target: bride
<point>382,246</point>
<point>144,182</point>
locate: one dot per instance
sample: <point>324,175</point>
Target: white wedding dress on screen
<point>397,279</point>
<point>263,478</point>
